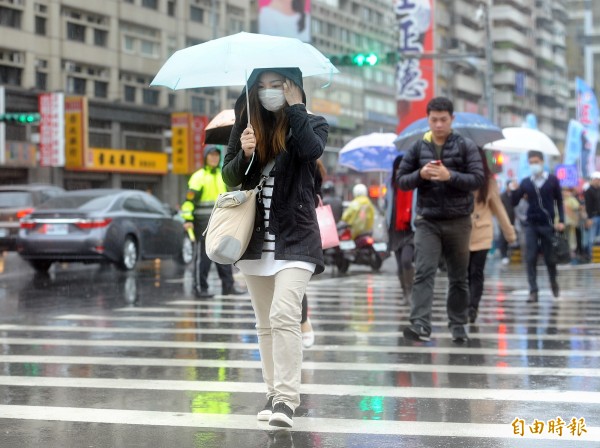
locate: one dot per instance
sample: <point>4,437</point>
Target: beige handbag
<point>232,221</point>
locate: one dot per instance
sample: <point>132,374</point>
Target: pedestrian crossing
<point>184,372</point>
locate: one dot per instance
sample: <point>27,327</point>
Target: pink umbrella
<point>219,128</point>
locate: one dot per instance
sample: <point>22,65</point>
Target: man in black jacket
<point>543,194</point>
<point>446,168</point>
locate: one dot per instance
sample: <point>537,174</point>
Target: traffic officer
<point>204,187</point>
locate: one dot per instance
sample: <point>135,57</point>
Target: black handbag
<point>560,252</point>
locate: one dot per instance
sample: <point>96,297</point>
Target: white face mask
<point>271,99</point>
<point>535,168</point>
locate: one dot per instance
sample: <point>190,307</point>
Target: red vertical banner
<point>415,76</point>
<point>52,129</point>
<point>199,123</point>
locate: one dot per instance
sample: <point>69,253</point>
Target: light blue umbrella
<point>370,153</point>
<point>228,61</point>
<point>474,126</point>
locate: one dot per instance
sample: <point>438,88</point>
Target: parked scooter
<point>362,250</point>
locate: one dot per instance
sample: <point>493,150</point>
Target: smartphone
<point>436,162</point>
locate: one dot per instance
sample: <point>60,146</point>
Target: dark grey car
<point>120,226</point>
<point>16,202</point>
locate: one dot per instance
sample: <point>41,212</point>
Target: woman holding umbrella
<point>285,249</point>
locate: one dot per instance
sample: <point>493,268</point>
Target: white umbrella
<point>228,61</point>
<point>524,140</point>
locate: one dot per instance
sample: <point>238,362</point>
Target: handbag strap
<point>263,177</point>
<point>539,196</point>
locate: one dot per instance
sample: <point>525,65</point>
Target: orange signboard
<point>128,161</point>
<point>76,132</point>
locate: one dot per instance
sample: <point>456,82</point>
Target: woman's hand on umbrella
<point>248,141</point>
<point>293,93</point>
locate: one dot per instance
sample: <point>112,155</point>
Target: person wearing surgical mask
<point>285,247</point>
<point>544,195</point>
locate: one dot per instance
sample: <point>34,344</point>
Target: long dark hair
<point>482,193</point>
<point>270,128</point>
<point>298,6</point>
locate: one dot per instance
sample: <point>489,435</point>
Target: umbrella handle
<point>247,98</point>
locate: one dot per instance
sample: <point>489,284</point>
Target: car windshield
<point>13,199</point>
<point>80,202</point>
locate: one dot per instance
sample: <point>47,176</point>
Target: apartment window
<point>129,1</point>
<point>10,17</point>
<point>100,89</point>
<point>152,4</point>
<point>41,81</point>
<point>75,32</point>
<point>76,85</point>
<point>150,97</point>
<point>100,37</point>
<point>199,105</point>
<point>40,26</point>
<point>129,44</point>
<point>140,40</point>
<point>172,101</point>
<point>10,75</point>
<point>196,14</point>
<point>171,8</point>
<point>148,48</point>
<point>129,94</point>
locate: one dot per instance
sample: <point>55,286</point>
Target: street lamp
<point>483,17</point>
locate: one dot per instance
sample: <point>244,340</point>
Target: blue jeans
<point>537,236</point>
<point>447,238</point>
<point>593,232</point>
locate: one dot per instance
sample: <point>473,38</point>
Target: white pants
<point>277,303</point>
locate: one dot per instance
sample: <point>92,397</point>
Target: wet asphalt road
<point>92,357</point>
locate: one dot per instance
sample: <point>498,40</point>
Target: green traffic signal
<point>361,59</point>
<point>20,117</point>
<point>366,59</point>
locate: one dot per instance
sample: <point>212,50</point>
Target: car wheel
<point>186,255</point>
<point>40,265</point>
<point>129,254</point>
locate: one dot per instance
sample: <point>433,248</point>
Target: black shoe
<point>232,291</point>
<point>555,290</point>
<point>267,411</point>
<point>417,333</point>
<point>203,294</point>
<point>533,297</point>
<point>282,416</point>
<point>459,334</point>
<point>472,314</point>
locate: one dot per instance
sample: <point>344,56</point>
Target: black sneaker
<point>267,411</point>
<point>282,416</point>
<point>417,333</point>
<point>533,297</point>
<point>203,294</point>
<point>555,290</point>
<point>459,334</point>
<point>472,314</point>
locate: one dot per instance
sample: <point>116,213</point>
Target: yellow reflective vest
<point>204,187</point>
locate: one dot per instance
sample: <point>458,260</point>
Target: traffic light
<point>367,59</point>
<point>20,117</point>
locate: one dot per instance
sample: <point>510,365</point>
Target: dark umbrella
<point>219,128</point>
<point>473,126</point>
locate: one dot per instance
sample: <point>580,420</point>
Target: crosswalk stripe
<point>566,337</point>
<point>303,424</point>
<point>429,349</point>
<point>438,393</point>
<point>306,365</point>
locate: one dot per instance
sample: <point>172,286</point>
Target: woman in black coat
<point>285,248</point>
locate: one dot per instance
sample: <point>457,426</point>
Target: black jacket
<point>592,202</point>
<point>443,200</point>
<point>550,197</point>
<point>293,218</point>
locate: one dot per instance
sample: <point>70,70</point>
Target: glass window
<point>128,44</point>
<point>41,80</point>
<point>14,199</point>
<point>172,101</point>
<point>100,37</point>
<point>135,204</point>
<point>154,205</point>
<point>148,48</point>
<point>150,96</point>
<point>10,17</point>
<point>100,89</point>
<point>75,32</point>
<point>152,4</point>
<point>40,26</point>
<point>199,105</point>
<point>196,14</point>
<point>83,202</point>
<point>76,85</point>
<point>171,8</point>
<point>129,94</point>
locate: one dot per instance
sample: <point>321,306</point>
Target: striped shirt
<point>267,265</point>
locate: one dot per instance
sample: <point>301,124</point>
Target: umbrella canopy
<point>372,152</point>
<point>524,140</point>
<point>219,128</point>
<point>228,61</point>
<point>473,126</point>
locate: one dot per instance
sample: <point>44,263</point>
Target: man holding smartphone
<point>446,168</point>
